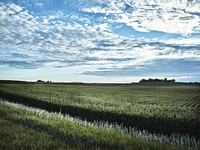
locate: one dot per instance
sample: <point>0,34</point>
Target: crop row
<point>155,108</point>
<point>177,139</point>
<point>73,134</point>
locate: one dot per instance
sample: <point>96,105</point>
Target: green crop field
<point>157,108</point>
<point>22,128</point>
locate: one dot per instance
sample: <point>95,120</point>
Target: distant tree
<point>40,81</point>
<point>150,79</point>
<point>156,80</point>
<point>143,80</point>
<point>173,80</point>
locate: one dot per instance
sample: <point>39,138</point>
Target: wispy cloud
<point>157,68</point>
<point>179,17</point>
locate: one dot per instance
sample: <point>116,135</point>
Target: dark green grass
<point>22,129</point>
<point>165,108</point>
<point>14,136</point>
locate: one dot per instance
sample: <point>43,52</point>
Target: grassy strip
<point>17,137</point>
<point>27,129</point>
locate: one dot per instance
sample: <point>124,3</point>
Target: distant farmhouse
<point>165,80</point>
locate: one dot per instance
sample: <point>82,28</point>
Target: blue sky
<point>99,40</point>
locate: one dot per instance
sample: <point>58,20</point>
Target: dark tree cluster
<point>157,80</point>
<point>41,81</point>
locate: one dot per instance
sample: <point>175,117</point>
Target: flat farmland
<point>157,108</point>
<point>164,101</point>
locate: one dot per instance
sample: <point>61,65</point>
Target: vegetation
<point>162,108</point>
<point>157,80</point>
<point>33,129</point>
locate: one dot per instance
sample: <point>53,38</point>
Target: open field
<point>163,108</point>
<point>27,128</point>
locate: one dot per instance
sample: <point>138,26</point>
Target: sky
<point>99,40</point>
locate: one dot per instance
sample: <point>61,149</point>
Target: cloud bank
<point>83,34</point>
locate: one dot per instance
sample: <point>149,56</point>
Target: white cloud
<point>39,4</point>
<point>183,77</point>
<point>51,41</point>
<point>184,41</point>
<point>14,7</point>
<point>158,15</point>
